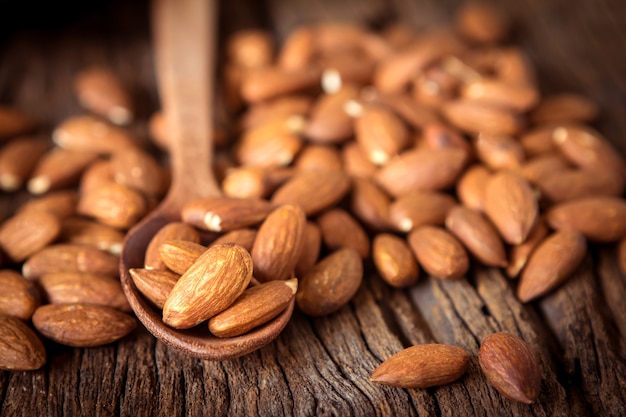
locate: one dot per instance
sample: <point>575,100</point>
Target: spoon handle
<point>184,37</point>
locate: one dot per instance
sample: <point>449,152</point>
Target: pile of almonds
<point>87,182</point>
<point>420,151</point>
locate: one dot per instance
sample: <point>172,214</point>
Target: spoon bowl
<point>184,32</point>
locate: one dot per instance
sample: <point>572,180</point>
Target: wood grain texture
<point>321,367</point>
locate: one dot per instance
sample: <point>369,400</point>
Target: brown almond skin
<point>473,116</point>
<point>470,188</point>
<point>564,107</point>
<point>422,169</point>
<point>80,287</point>
<point>370,204</point>
<point>340,229</point>
<point>18,158</point>
<point>256,306</point>
<point>278,243</point>
<point>311,248</point>
<point>221,214</point>
<point>113,204</point>
<point>551,263</point>
<point>381,134</point>
<point>571,184</point>
<point>154,284</point>
<point>313,191</point>
<point>79,230</point>
<point>272,144</point>
<point>171,231</point>
<point>25,233</point>
<point>439,252</point>
<point>60,203</point>
<point>328,122</point>
<point>538,140</point>
<point>19,296</point>
<point>511,367</point>
<point>423,366</point>
<point>331,283</point>
<point>394,260</point>
<point>265,83</point>
<point>99,90</point>
<point>20,347</point>
<point>542,167</point>
<point>599,219</point>
<point>87,133</point>
<point>211,284</point>
<point>519,254</point>
<point>179,255</point>
<point>243,237</point>
<point>278,108</point>
<point>82,325</point>
<point>478,235</point>
<point>13,122</point>
<point>482,22</point>
<point>499,151</point>
<point>139,170</point>
<point>70,258</point>
<point>314,157</point>
<point>511,205</point>
<point>517,96</point>
<point>419,208</point>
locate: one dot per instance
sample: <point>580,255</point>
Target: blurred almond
<point>511,205</point>
<point>339,229</point>
<point>19,297</point>
<point>265,83</point>
<point>355,161</point>
<point>516,96</point>
<point>254,182</point>
<point>114,205</point>
<point>314,157</point>
<point>99,90</point>
<point>439,252</point>
<point>89,134</point>
<point>97,174</point>
<point>329,122</point>
<point>14,122</point>
<point>18,158</point>
<point>519,254</point>
<point>82,287</point>
<point>78,230</point>
<point>394,260</point>
<point>59,168</point>
<point>478,235</point>
<point>570,184</point>
<point>482,22</point>
<point>538,140</point>
<point>281,108</point>
<point>418,208</point>
<point>370,204</point>
<point>380,133</point>
<point>298,49</point>
<point>250,48</point>
<point>499,151</point>
<point>470,188</point>
<point>70,258</point>
<point>26,233</point>
<point>273,143</point>
<point>542,167</point>
<point>222,214</point>
<point>311,248</point>
<point>243,237</point>
<point>552,262</point>
<point>61,204</point>
<point>564,107</point>
<point>138,170</point>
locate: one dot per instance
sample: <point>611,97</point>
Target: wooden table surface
<point>321,367</point>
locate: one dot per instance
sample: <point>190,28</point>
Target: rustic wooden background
<point>321,367</point>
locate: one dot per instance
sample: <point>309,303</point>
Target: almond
<point>311,248</point>
<point>318,157</point>
<point>279,108</point>
<point>422,169</point>
<point>18,158</point>
<point>216,279</point>
<point>370,204</point>
<point>517,96</point>
<point>242,237</point>
<point>551,263</point>
<point>438,135</point>
<point>278,243</point>
<point>511,205</point>
<point>82,287</point>
<point>519,254</point>
<point>61,204</point>
<point>265,83</point>
<point>255,307</point>
<point>25,233</point>
<point>156,285</point>
<point>564,107</point>
<point>82,325</point>
<point>70,258</point>
<point>171,231</point>
<point>297,51</point>
<point>99,89</point>
<point>538,140</point>
<point>470,188</point>
<point>59,168</point>
<point>90,134</point>
<point>254,182</point>
<point>439,252</point>
<point>423,366</point>
<point>274,143</point>
<point>418,208</point>
<point>482,22</point>
<point>114,205</point>
<point>380,133</point>
<point>221,214</point>
<point>138,170</point>
<point>571,184</point>
<point>331,283</point>
<point>499,151</point>
<point>394,260</point>
<point>339,229</point>
<point>20,347</point>
<point>20,297</point>
<point>81,231</point>
<point>599,219</point>
<point>543,167</point>
<point>179,255</point>
<point>355,162</point>
<point>414,113</point>
<point>313,191</point>
<point>329,122</point>
<point>510,366</point>
<point>97,174</point>
<point>473,116</point>
<point>478,235</point>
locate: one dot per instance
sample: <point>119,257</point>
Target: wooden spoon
<point>184,34</point>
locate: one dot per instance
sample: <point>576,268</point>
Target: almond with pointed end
<point>423,366</point>
<point>331,283</point>
<point>519,254</point>
<point>439,252</point>
<point>329,122</point>
<point>271,144</point>
<point>255,307</point>
<point>19,297</point>
<point>313,191</point>
<point>70,258</point>
<point>59,168</point>
<point>511,367</point>
<point>551,263</point>
<point>516,96</point>
<point>422,169</point>
<point>543,167</point>
<point>82,325</point>
<point>279,108</point>
<point>538,140</point>
<point>20,347</point>
<point>222,214</point>
<point>511,205</point>
<point>243,237</point>
<point>470,188</point>
<point>370,204</point>
<point>339,229</point>
<point>214,281</point>
<point>18,158</point>
<point>154,284</point>
<point>99,90</point>
<point>394,260</point>
<point>478,235</point>
<point>90,134</point>
<point>82,287</point>
<point>61,204</point>
<point>171,231</point>
<point>473,116</point>
<point>179,255</point>
<point>278,243</point>
<point>572,184</point>
<point>499,151</point>
<point>381,134</point>
<point>139,170</point>
<point>419,208</point>
<point>355,161</point>
<point>25,233</point>
<point>599,219</point>
<point>265,83</point>
<point>82,231</point>
<point>318,157</point>
<point>311,248</point>
<point>298,49</point>
<point>564,107</point>
<point>113,204</point>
